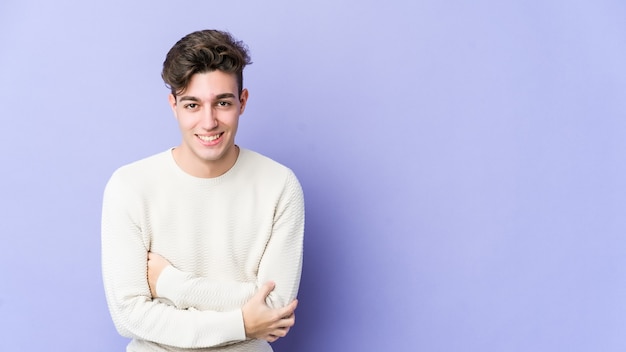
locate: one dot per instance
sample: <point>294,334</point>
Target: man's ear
<point>243,99</point>
<point>172,101</point>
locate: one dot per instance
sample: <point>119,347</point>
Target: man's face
<point>208,115</point>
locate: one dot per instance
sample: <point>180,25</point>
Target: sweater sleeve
<point>282,259</point>
<point>281,263</point>
<point>124,269</point>
<point>187,291</point>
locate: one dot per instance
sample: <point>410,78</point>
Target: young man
<point>202,243</point>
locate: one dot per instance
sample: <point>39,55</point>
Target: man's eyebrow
<point>225,95</point>
<point>187,97</point>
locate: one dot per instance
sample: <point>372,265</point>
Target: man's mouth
<point>210,138</point>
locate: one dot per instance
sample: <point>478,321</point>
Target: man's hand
<point>263,322</point>
<point>156,264</point>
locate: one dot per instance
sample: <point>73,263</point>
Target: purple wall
<point>464,164</point>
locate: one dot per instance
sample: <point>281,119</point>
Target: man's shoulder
<point>258,169</point>
<point>145,168</point>
<point>259,163</point>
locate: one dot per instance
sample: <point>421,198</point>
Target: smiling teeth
<point>210,138</point>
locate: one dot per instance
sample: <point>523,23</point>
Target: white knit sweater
<point>224,236</point>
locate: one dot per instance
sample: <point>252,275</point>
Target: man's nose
<point>209,119</point>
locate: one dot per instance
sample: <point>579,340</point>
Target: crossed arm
<point>260,321</point>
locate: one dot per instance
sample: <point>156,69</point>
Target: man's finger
<point>288,310</point>
<point>265,290</point>
<point>282,332</point>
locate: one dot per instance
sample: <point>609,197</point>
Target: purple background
<point>463,164</point>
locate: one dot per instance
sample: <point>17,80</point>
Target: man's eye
<point>223,103</point>
<point>191,106</point>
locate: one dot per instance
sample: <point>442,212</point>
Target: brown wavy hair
<point>204,51</point>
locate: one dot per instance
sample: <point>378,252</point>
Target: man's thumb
<point>265,290</point>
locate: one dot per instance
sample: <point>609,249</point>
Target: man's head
<point>204,73</point>
<point>201,52</point>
